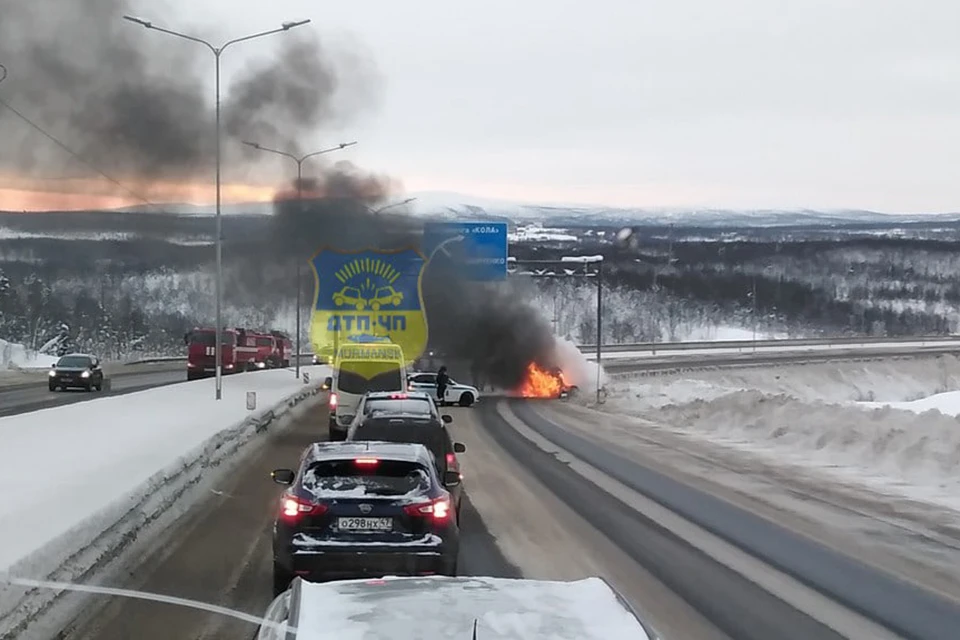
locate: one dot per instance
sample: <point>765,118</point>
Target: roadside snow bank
<point>82,481</point>
<point>814,416</point>
<point>17,356</point>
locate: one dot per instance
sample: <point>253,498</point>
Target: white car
<point>440,608</point>
<point>456,393</point>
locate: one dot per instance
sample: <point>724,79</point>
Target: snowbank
<point>17,356</point>
<point>829,417</point>
<point>81,481</point>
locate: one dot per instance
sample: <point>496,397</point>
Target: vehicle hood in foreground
<point>445,609</point>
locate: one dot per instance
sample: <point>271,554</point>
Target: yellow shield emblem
<point>368,297</point>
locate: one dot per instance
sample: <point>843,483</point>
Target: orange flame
<point>541,383</point>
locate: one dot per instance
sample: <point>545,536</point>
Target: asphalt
<point>219,552</point>
<point>25,397</point>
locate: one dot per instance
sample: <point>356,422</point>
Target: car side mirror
<point>451,478</point>
<point>446,419</point>
<point>459,447</point>
<point>283,476</point>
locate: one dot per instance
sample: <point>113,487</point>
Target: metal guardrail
<point>688,346</point>
<point>786,342</point>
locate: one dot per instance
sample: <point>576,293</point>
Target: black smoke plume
<point>139,103</point>
<point>484,330</point>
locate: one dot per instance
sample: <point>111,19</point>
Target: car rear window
<point>347,478</point>
<point>391,405</point>
<point>74,361</point>
<point>350,382</point>
<point>430,434</point>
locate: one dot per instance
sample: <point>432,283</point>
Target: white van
<point>357,369</point>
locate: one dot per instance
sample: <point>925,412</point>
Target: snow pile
<point>17,356</point>
<point>725,333</point>
<point>832,417</point>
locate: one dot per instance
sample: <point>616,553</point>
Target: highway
<point>552,497</point>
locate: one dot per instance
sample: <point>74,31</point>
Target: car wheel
<point>281,579</point>
<point>450,569</point>
<point>88,387</point>
<point>466,399</point>
<point>53,387</point>
<point>99,386</point>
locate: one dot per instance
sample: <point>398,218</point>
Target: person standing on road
<point>443,381</point>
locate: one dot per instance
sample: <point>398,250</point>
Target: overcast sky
<point>741,103</point>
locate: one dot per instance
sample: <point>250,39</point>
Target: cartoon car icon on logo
<point>384,296</point>
<point>349,296</point>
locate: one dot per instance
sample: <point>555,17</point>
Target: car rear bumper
<point>348,562</point>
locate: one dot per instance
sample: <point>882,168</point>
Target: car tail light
<point>292,508</point>
<point>333,401</point>
<point>366,462</point>
<point>451,459</point>
<point>437,509</point>
<point>398,396</point>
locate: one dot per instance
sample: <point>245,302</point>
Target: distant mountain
<point>451,205</point>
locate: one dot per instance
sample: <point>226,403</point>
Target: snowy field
<point>91,457</point>
<point>890,424</point>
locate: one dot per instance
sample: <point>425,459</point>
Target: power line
<point>73,153</point>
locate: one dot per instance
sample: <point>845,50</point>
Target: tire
<point>449,569</point>
<point>281,579</point>
<point>52,387</point>
<point>466,399</point>
<point>88,387</point>
<point>99,386</point>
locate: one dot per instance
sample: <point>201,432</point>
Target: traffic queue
<point>371,517</point>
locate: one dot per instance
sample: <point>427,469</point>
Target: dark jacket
<point>443,380</point>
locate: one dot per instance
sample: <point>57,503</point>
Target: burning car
<point>545,382</point>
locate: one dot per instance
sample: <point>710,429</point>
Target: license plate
<point>365,524</point>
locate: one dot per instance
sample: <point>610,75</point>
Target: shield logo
<point>369,296</point>
<point>366,508</point>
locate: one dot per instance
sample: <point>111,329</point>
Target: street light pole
<point>217,52</point>
<point>299,160</point>
<point>380,210</point>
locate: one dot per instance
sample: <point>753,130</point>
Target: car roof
<point>508,609</point>
<point>77,355</point>
<point>392,395</point>
<point>400,451</point>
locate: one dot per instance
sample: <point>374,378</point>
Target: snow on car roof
<point>439,608</point>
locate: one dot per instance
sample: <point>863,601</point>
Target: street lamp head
<point>255,145</point>
<point>344,145</point>
<point>139,21</point>
<point>290,25</point>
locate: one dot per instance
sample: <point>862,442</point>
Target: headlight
<point>52,373</point>
<point>261,365</point>
<point>85,374</point>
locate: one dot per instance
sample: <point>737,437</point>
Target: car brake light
<point>292,508</point>
<point>398,396</point>
<point>333,401</point>
<point>451,459</point>
<point>366,462</point>
<point>439,509</point>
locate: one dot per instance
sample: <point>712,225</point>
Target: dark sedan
<point>76,370</point>
<point>369,509</point>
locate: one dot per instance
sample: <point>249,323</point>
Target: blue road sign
<point>480,254</point>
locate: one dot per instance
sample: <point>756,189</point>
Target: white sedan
<point>456,393</point>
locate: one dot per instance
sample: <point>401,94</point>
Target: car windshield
<point>369,476</point>
<point>264,342</point>
<point>350,382</point>
<point>74,362</point>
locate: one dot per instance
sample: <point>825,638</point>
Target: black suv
<point>76,370</point>
<point>409,417</point>
<point>364,509</point>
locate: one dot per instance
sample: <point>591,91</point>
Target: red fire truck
<point>284,348</point>
<point>202,352</point>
